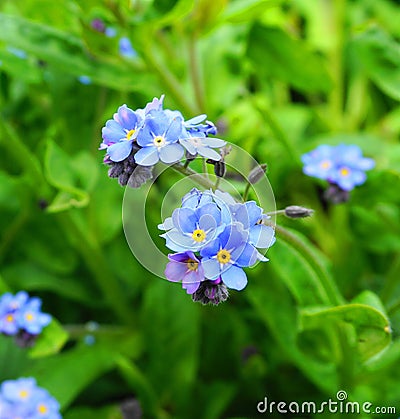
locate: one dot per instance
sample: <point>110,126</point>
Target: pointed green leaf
<point>50,341</point>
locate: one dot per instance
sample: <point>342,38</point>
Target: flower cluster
<point>215,238</point>
<point>342,166</point>
<point>23,399</point>
<point>136,140</point>
<point>21,316</point>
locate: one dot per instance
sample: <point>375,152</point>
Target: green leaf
<point>67,52</point>
<point>108,412</point>
<point>50,341</point>
<point>380,56</point>
<point>276,309</point>
<point>276,54</point>
<point>68,373</point>
<point>60,173</point>
<point>20,68</point>
<point>28,276</point>
<point>371,326</point>
<point>171,330</point>
<point>244,10</point>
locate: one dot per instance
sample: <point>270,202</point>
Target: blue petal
<point>214,142</point>
<point>262,236</point>
<point>175,131</point>
<point>178,242</point>
<point>127,117</point>
<point>211,268</point>
<point>196,120</point>
<point>120,151</point>
<point>209,153</point>
<point>147,156</point>
<point>189,146</point>
<point>113,132</point>
<point>234,278</point>
<point>167,224</point>
<point>207,223</point>
<point>184,220</point>
<point>245,256</point>
<point>210,209</point>
<point>211,249</point>
<point>171,153</point>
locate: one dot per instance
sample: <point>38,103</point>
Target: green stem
<point>392,280</point>
<point>246,191</point>
<point>336,100</point>
<point>327,283</point>
<point>171,83</point>
<point>12,231</point>
<point>187,171</point>
<point>23,155</point>
<point>140,385</point>
<point>96,262</point>
<point>195,71</point>
<point>276,129</point>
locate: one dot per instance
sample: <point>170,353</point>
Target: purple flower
<point>198,143</point>
<point>120,133</point>
<point>226,255</point>
<point>31,319</point>
<point>98,25</point>
<point>185,267</point>
<point>159,140</point>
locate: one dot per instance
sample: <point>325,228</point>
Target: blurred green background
<point>279,78</point>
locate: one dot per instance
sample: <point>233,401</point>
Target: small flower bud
<point>257,174</point>
<point>336,195</point>
<point>294,211</point>
<point>219,168</point>
<point>211,292</point>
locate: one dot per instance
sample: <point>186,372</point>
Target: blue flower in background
<point>23,399</point>
<point>31,319</point>
<point>120,133</point>
<point>226,255</point>
<point>319,163</point>
<point>21,315</point>
<point>342,165</point>
<point>9,307</point>
<point>186,268</point>
<point>159,140</point>
<point>126,49</point>
<point>350,167</point>
<point>86,80</point>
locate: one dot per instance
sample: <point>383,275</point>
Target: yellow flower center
<point>29,317</point>
<point>345,171</point>
<point>199,235</point>
<point>130,134</point>
<point>223,256</point>
<point>9,318</point>
<point>23,394</point>
<point>159,141</point>
<point>192,265</point>
<point>42,408</point>
<point>326,164</point>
